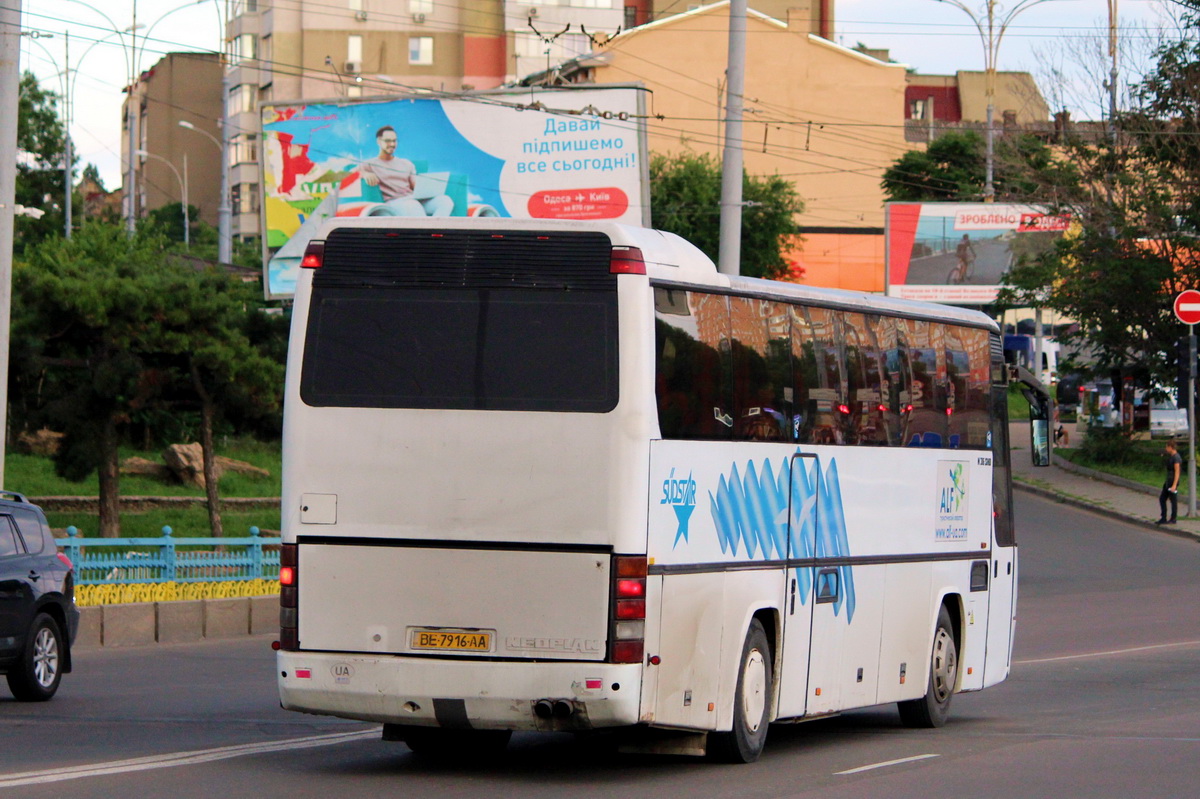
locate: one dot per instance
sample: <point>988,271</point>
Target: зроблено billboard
<point>528,153</point>
<point>958,253</point>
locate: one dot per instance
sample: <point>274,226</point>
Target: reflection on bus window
<point>864,373</point>
<point>693,369</point>
<point>762,370</point>
<point>926,426</point>
<point>751,369</point>
<point>822,360</point>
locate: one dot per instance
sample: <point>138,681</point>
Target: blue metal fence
<point>110,561</point>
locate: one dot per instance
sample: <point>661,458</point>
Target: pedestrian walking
<point>1170,489</point>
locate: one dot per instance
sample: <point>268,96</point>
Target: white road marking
<point>1109,652</point>
<point>885,765</point>
<point>178,759</point>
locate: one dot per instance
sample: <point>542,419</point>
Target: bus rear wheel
<point>933,709</point>
<point>751,703</point>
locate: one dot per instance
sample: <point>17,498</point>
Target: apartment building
<point>180,87</point>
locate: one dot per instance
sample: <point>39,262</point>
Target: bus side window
<point>820,358</point>
<point>762,370</point>
<point>926,424</point>
<point>692,349</point>
<point>864,370</point>
<point>976,410</point>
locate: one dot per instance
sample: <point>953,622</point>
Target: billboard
<point>528,153</point>
<point>958,253</point>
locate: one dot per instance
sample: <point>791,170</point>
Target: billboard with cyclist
<point>958,253</point>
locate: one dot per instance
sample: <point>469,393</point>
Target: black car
<point>38,617</point>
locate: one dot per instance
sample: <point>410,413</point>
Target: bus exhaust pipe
<point>543,708</point>
<point>563,709</point>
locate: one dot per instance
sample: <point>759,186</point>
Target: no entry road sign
<point>1187,307</point>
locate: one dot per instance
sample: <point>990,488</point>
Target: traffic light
<point>1182,373</point>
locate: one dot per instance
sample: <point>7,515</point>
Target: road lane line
<point>179,759</point>
<point>873,766</point>
<point>1109,652</point>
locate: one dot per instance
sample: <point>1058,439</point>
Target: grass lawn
<point>34,476</point>
<point>1143,463</point>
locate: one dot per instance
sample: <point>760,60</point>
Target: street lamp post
<point>991,19</point>
<point>183,190</point>
<point>132,63</point>
<point>224,210</point>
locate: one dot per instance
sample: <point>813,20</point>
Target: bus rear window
<point>481,349</point>
<point>463,319</point>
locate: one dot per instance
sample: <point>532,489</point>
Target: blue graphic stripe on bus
<point>751,512</point>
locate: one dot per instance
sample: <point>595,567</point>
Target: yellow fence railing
<point>89,595</point>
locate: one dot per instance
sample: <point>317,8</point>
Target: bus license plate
<point>452,640</point>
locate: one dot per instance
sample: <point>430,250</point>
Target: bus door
<point>1003,573</point>
<point>798,597</point>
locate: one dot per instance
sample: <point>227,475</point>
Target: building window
<point>243,148</point>
<point>245,198</point>
<point>241,99</point>
<point>420,6</point>
<point>244,48</point>
<point>355,5</point>
<point>420,50</point>
<point>630,17</point>
<point>354,48</point>
<point>916,109</point>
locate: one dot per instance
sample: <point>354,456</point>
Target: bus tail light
<point>627,261</point>
<point>627,624</point>
<point>289,588</point>
<point>314,255</point>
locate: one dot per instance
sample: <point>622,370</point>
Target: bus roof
<point>672,259</point>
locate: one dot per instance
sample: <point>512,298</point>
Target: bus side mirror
<point>1039,426</point>
<point>1039,437</point>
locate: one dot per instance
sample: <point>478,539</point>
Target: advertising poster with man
<point>958,253</point>
<point>533,154</point>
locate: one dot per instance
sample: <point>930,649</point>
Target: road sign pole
<point>1191,421</point>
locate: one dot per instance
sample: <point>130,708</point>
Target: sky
<point>928,35</point>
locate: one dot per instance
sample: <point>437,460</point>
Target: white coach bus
<point>565,476</point>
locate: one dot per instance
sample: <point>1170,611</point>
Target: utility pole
<point>730,248</point>
<point>10,89</point>
<point>131,119</point>
<point>68,188</point>
<point>1112,72</point>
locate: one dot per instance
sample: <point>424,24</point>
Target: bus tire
<point>751,703</point>
<point>933,709</point>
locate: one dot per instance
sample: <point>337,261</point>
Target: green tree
<point>1138,204</point>
<point>40,181</point>
<point>685,199</point>
<point>113,324</point>
<point>953,168</point>
<point>208,330</point>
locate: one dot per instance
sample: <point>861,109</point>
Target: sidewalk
<point>1065,482</point>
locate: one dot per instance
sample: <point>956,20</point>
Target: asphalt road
<point>1104,701</point>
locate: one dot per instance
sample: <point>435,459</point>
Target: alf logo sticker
<point>952,501</point>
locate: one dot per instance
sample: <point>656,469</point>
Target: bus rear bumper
<point>465,694</point>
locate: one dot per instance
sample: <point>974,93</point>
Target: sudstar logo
<point>681,496</point>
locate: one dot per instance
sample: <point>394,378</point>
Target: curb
<point>142,504</point>
<point>1050,494</point>
<point>146,623</point>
